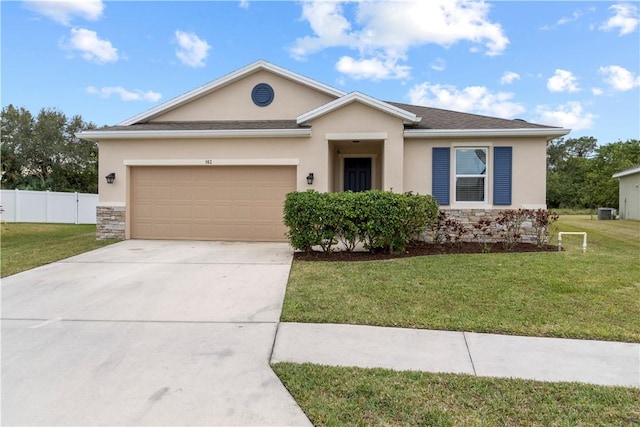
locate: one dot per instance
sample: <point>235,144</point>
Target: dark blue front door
<point>357,173</point>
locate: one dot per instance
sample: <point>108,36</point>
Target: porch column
<point>392,164</point>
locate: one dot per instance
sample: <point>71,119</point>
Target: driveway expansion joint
<point>466,343</point>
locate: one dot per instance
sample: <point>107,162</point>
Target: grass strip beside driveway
<point>354,396</point>
<point>570,294</point>
<point>28,245</point>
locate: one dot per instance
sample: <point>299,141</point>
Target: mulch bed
<point>419,249</point>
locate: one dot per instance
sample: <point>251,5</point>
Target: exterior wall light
<point>310,178</point>
<point>111,177</point>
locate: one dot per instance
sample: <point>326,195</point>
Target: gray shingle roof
<point>432,118</point>
<point>435,118</point>
<point>210,125</point>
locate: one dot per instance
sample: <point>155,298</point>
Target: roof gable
<point>227,80</point>
<point>407,116</point>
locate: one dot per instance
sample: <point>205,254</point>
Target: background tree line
<point>42,152</point>
<point>579,171</point>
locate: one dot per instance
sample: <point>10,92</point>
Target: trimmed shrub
<point>307,216</point>
<point>380,220</point>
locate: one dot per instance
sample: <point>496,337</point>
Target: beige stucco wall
<point>233,102</point>
<point>357,119</point>
<point>630,197</point>
<point>529,168</point>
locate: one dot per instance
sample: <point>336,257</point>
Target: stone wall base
<point>468,217</point>
<point>110,222</point>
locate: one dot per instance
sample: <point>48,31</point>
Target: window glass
<point>471,161</point>
<point>471,174</point>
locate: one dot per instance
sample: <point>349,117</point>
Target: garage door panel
<point>210,203</point>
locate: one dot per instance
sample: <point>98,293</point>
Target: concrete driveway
<point>147,333</point>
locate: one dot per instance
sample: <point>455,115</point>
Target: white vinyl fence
<point>48,206</point>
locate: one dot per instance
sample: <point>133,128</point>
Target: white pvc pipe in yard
<point>584,240</point>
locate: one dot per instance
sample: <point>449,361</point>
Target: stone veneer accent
<point>110,222</point>
<point>468,217</point>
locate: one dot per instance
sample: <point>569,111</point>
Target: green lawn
<point>595,295</point>
<point>333,396</point>
<point>25,246</point>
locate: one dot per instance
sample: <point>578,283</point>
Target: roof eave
<point>225,80</point>
<point>194,134</point>
<point>627,172</point>
<point>549,133</point>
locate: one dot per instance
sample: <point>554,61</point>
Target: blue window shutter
<point>441,175</point>
<point>502,166</point>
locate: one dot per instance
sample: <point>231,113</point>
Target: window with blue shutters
<point>473,175</point>
<point>441,174</point>
<point>502,175</point>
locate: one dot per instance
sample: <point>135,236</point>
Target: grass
<point>593,295</point>
<point>25,246</point>
<point>571,211</point>
<point>352,396</point>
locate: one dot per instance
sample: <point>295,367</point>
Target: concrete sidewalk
<point>543,359</point>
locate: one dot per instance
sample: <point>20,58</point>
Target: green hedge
<point>381,220</point>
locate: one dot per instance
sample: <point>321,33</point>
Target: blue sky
<point>566,63</point>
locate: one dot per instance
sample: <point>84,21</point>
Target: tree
<point>567,164</point>
<point>579,172</point>
<point>559,150</point>
<point>43,153</point>
<point>601,188</point>
<point>16,130</point>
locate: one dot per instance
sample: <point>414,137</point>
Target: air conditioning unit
<point>606,213</point>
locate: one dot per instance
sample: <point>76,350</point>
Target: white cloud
<point>125,95</point>
<point>329,26</point>
<point>244,4</point>
<point>563,81</point>
<point>574,17</point>
<point>192,50</point>
<point>472,99</point>
<point>619,78</point>
<point>509,77</point>
<point>577,14</point>
<point>372,69</point>
<point>63,11</point>
<point>569,116</point>
<point>597,91</point>
<point>92,47</point>
<point>625,18</point>
<point>387,30</point>
<point>438,64</point>
<point>442,22</point>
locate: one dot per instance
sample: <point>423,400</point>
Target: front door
<point>357,173</point>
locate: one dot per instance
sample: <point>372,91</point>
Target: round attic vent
<point>262,94</point>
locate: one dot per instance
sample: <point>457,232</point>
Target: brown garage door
<point>210,202</point>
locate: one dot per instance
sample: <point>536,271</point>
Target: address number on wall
<point>208,162</point>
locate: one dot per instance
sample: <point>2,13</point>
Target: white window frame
<point>487,150</point>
